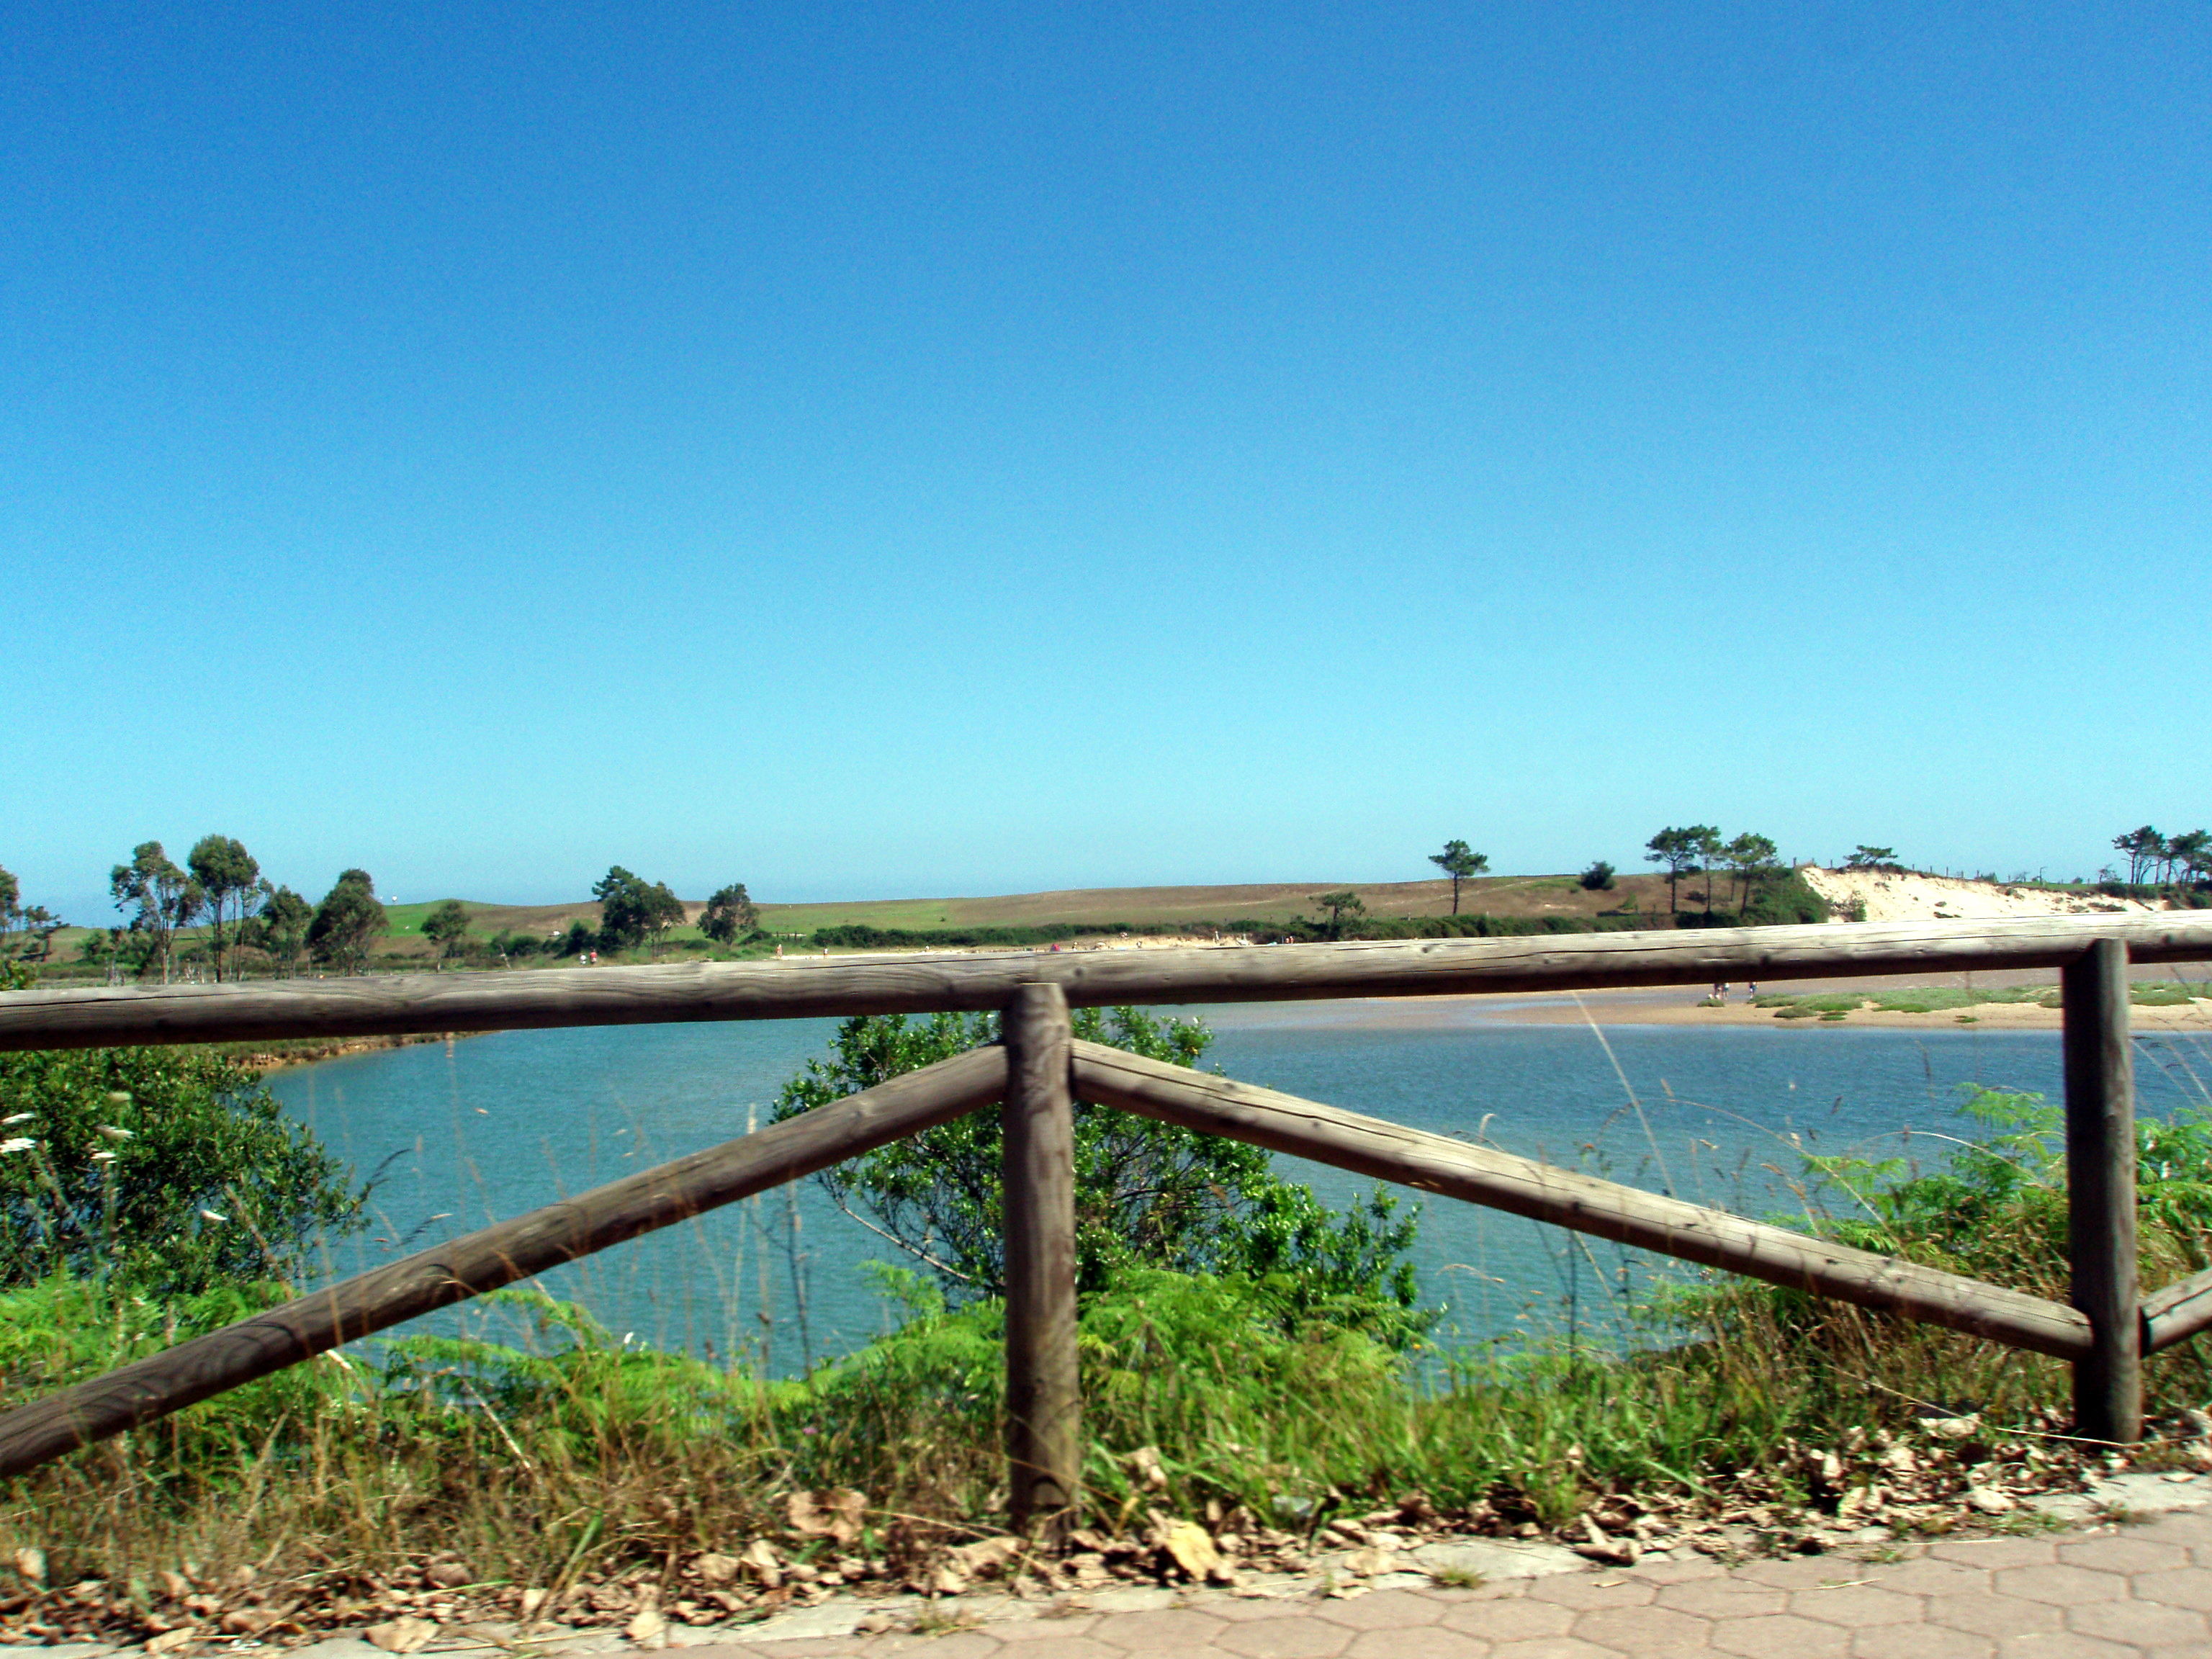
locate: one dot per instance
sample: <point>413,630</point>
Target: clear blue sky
<point>947,448</point>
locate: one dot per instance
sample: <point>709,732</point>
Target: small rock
<point>1989,1500</point>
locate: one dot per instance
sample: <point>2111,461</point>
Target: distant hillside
<point>1136,907</point>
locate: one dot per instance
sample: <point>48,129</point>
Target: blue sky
<point>958,448</point>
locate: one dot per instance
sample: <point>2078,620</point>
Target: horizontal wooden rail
<point>1435,1163</point>
<point>2181,1310</point>
<point>542,998</point>
<point>191,1371</point>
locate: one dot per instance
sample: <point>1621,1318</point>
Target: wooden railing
<point>1039,1070</point>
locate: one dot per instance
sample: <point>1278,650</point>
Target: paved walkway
<point>2126,1593</point>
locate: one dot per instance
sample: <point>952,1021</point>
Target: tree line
<point>220,884</point>
<point>2163,861</point>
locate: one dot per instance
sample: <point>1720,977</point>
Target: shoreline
<point>1677,1007</point>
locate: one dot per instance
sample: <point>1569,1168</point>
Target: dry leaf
<point>647,1627</point>
<point>1145,1464</point>
<point>401,1635</point>
<point>1989,1500</point>
<point>760,1560</point>
<point>1370,1563</point>
<point>1193,1549</point>
<point>532,1599</point>
<point>713,1568</point>
<point>985,1556</point>
<point>827,1514</point>
<point>170,1640</point>
<point>31,1563</point>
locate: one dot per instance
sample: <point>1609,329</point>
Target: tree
<point>1710,847</point>
<point>1750,856</point>
<point>1338,905</point>
<point>729,915</point>
<point>347,923</point>
<point>1864,857</point>
<point>445,926</point>
<point>633,910</point>
<point>581,937</point>
<point>2191,852</point>
<point>174,1170</point>
<point>1677,850</point>
<point>2144,847</point>
<point>163,899</point>
<point>27,932</point>
<point>227,873</point>
<point>281,927</point>
<point>1459,862</point>
<point>1599,878</point>
<point>1147,1193</point>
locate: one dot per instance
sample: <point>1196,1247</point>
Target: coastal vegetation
<point>217,916</point>
<point>434,1475</point>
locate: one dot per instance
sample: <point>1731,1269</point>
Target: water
<point>482,1129</point>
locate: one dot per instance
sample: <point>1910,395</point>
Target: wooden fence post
<point>1044,1410</point>
<point>2101,1192</point>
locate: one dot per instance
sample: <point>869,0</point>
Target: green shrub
<point>1147,1193</point>
<point>172,1169</point>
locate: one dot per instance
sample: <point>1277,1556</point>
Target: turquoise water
<point>479,1130</point>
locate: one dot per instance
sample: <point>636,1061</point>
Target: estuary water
<point>463,1134</point>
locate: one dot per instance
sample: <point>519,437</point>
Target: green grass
<point>1948,999</point>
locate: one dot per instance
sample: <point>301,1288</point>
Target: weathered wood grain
<point>167,1382</point>
<point>1435,1163</point>
<point>1044,1401</point>
<point>388,1004</point>
<point>2181,1310</point>
<point>2100,1194</point>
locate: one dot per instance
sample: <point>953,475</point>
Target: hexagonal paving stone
<point>2117,1552</point>
<point>1929,1576</point>
<point>2063,1587</point>
<point>1510,1621</point>
<point>2183,1527</point>
<point>1295,1636</point>
<point>1797,1572</point>
<point>1676,1572</point>
<point>1853,1605</point>
<point>2184,1587</point>
<point>1384,1610</point>
<point>1993,1553</point>
<point>1647,1632</point>
<point>2145,1624</point>
<point>1781,1635</point>
<point>1428,1642</point>
<point>1920,1641</point>
<point>1164,1627</point>
<point>1590,1589</point>
<point>1553,1647</point>
<point>1019,1630</point>
<point>1985,1613</point>
<point>2062,1644</point>
<point>1066,1647</point>
<point>1724,1598</point>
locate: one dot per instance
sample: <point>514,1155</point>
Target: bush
<point>171,1169</point>
<point>1147,1193</point>
<point>1599,878</point>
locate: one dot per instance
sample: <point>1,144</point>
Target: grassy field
<point>1139,908</point>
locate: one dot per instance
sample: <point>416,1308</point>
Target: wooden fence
<point>1039,1070</point>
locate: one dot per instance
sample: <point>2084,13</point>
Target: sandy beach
<point>1683,1004</point>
